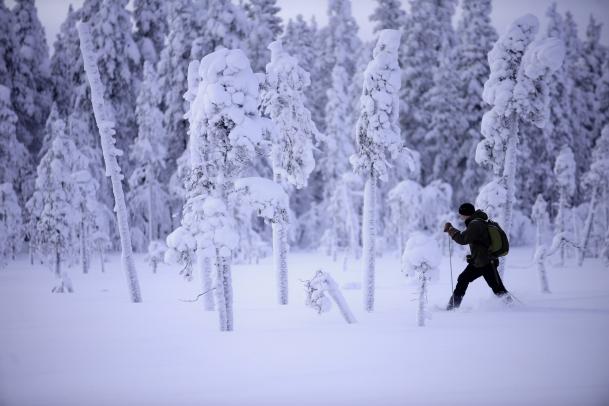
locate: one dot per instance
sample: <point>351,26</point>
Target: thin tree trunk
<point>587,227</point>
<point>421,311</point>
<point>280,252</point>
<point>84,255</point>
<point>151,236</point>
<point>368,238</point>
<point>102,260</point>
<point>206,282</point>
<point>220,296</point>
<point>560,224</point>
<point>509,174</point>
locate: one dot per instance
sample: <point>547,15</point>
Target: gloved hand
<point>447,227</point>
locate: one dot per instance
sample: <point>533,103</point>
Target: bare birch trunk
<point>368,238</point>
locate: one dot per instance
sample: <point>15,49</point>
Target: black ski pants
<point>490,274</point>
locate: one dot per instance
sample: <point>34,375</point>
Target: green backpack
<point>500,245</point>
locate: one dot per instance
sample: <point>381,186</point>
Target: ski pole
<point>450,262</point>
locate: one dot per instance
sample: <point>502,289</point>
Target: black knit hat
<point>467,209</point>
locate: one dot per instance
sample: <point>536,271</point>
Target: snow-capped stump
<point>421,259</point>
<point>319,288</point>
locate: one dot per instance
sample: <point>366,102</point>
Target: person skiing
<point>480,261</point>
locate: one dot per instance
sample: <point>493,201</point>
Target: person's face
<point>463,217</point>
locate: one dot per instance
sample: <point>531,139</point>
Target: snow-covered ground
<point>95,347</point>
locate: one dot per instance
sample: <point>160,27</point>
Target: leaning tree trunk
<point>107,131</point>
<point>368,238</point>
<point>540,257</point>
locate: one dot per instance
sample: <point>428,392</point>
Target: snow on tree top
<point>543,55</point>
<point>268,198</point>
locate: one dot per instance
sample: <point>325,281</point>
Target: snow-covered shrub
<point>421,259</point>
<point>523,230</point>
<point>405,206</point>
<point>321,291</point>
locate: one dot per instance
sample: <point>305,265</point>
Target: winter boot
<point>454,302</point>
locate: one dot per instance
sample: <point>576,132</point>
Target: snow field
<point>94,347</point>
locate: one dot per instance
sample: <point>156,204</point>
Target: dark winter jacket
<point>476,235</point>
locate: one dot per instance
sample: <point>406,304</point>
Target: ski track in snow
<point>94,347</point>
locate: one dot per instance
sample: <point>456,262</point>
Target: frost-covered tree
<point>65,64</point>
<point>421,259</point>
<point>405,206</point>
<point>377,137</point>
<point>106,125</point>
<point>14,158</point>
<point>11,223</point>
<point>7,46</point>
<point>447,126</point>
<point>225,128</point>
<point>539,215</point>
<point>516,90</point>
<point>55,232</point>
<point>564,171</point>
<point>266,28</point>
<point>292,142</point>
<point>147,195</point>
<point>597,180</point>
<point>476,36</point>
<point>388,15</point>
<point>226,24</point>
<point>324,284</point>
<point>31,77</point>
<point>118,59</point>
<point>151,27</point>
<point>428,26</point>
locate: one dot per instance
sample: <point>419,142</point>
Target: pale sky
<point>53,12</point>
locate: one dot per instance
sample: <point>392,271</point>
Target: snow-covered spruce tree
<point>377,136</point>
<point>476,36</point>
<point>564,172</point>
<point>539,215</point>
<point>106,124</point>
<point>405,206</point>
<point>266,28</point>
<point>151,27</point>
<point>172,70</point>
<point>388,15</point>
<point>65,64</point>
<point>118,59</point>
<point>428,26</point>
<point>31,77</point>
<point>292,142</point>
<point>226,24</point>
<point>7,46</point>
<point>147,196</point>
<point>11,223</point>
<point>447,125</point>
<point>14,158</point>
<point>421,259</point>
<point>225,129</point>
<point>516,90</point>
<point>55,228</point>
<point>597,180</point>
